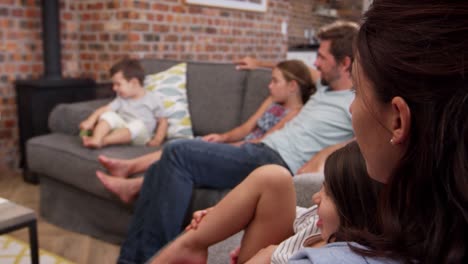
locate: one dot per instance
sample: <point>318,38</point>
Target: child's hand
<point>86,125</point>
<point>154,143</point>
<point>234,255</point>
<point>215,138</point>
<point>196,219</point>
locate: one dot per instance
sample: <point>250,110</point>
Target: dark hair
<point>296,70</point>
<point>354,193</point>
<point>130,68</point>
<point>341,35</point>
<point>418,50</point>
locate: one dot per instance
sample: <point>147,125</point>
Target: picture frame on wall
<point>247,5</point>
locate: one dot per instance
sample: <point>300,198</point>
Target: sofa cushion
<point>63,158</point>
<point>214,111</point>
<point>255,92</point>
<point>306,185</point>
<point>156,65</point>
<point>171,86</point>
<point>66,118</point>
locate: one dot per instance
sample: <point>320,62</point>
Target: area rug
<point>14,251</point>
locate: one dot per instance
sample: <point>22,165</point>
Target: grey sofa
<point>220,98</point>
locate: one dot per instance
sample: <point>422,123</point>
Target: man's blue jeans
<point>167,189</point>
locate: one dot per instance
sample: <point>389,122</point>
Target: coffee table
<point>13,217</point>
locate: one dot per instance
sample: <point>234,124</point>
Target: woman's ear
<point>401,120</point>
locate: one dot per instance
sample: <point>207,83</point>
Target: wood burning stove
<point>36,98</point>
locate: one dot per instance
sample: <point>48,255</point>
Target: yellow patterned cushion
<point>171,86</point>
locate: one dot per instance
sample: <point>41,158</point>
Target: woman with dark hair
<point>410,121</point>
<point>346,201</point>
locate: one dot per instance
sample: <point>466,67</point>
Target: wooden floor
<point>72,246</point>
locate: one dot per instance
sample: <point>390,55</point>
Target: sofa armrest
<point>306,185</point>
<point>66,118</point>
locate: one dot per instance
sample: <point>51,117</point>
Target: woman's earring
<point>392,141</point>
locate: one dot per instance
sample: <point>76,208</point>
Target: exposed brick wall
<point>99,32</point>
<point>20,58</point>
<point>96,33</point>
<point>304,16</point>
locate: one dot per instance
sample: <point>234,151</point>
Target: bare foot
<point>126,189</point>
<point>116,167</point>
<point>91,142</point>
<point>181,252</point>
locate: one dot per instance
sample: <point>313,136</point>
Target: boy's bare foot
<point>91,142</point>
<point>116,167</point>
<point>181,252</point>
<point>126,189</point>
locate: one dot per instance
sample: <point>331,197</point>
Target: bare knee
<point>272,177</point>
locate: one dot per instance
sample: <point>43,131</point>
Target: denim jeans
<point>167,189</point>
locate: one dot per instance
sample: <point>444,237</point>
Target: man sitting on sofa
<point>324,120</point>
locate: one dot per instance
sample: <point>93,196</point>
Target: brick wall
<point>304,18</point>
<point>304,15</point>
<point>99,32</point>
<point>96,33</point>
<point>20,58</point>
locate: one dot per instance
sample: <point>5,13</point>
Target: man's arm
<point>249,63</point>
<point>239,133</point>
<point>317,162</point>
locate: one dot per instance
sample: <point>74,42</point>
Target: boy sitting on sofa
<point>131,117</point>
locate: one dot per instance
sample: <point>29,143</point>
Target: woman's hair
<point>354,193</point>
<point>418,50</point>
<point>296,70</point>
<point>130,68</point>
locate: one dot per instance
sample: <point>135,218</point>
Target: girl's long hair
<point>352,190</point>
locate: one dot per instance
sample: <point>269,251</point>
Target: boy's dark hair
<point>354,193</point>
<point>342,35</point>
<point>130,68</point>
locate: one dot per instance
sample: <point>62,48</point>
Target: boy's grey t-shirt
<point>338,252</point>
<point>324,120</point>
<point>147,109</point>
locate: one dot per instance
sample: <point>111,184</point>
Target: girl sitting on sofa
<point>265,201</point>
<point>290,87</point>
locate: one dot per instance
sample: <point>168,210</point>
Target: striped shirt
<point>305,228</point>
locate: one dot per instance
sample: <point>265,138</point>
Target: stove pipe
<point>51,39</point>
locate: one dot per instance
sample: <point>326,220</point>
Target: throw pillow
<point>171,86</point>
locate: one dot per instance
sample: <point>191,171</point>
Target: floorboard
<point>72,246</point>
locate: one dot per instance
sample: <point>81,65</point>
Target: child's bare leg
<point>126,189</point>
<point>263,202</point>
<point>99,132</point>
<point>117,136</point>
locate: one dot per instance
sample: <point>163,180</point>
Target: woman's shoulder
<point>338,252</point>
